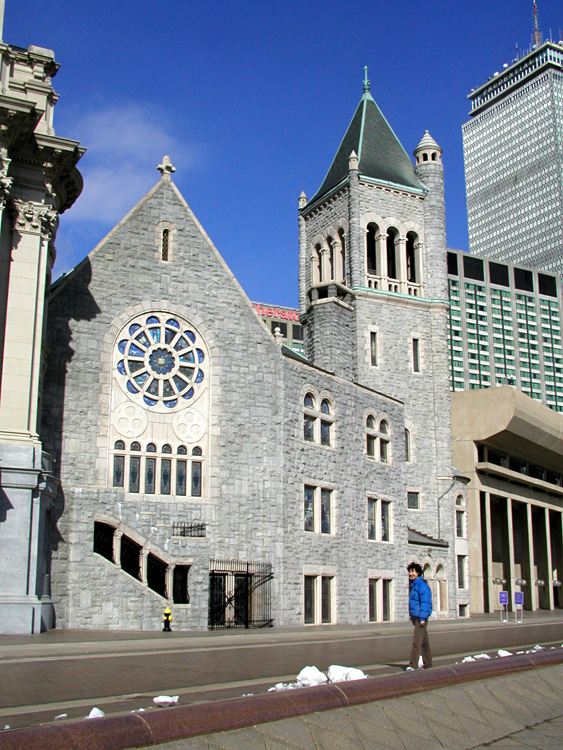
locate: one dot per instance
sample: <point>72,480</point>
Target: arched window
<point>309,418</point>
<point>165,243</point>
<point>318,423</point>
<point>442,589</point>
<point>156,470</point>
<point>383,442</point>
<point>411,258</point>
<point>392,235</point>
<point>342,238</point>
<point>326,424</point>
<point>371,258</point>
<point>378,444</point>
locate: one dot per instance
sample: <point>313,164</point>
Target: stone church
<point>165,448</point>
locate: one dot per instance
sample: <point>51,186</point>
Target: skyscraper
<point>514,161</point>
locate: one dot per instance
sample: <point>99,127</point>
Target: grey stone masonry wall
<point>242,463</point>
<point>346,553</point>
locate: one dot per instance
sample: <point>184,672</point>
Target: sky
<point>251,99</point>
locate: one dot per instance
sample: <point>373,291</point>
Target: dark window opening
<point>297,332</point>
<point>370,249</point>
<point>391,255</point>
<point>118,470</point>
<point>180,592</point>
<point>130,557</point>
<point>103,540</point>
<point>411,263</point>
<point>473,268</point>
<point>452,264</point>
<point>156,575</point>
<point>282,326</point>
<point>165,238</point>
<point>498,274</point>
<point>547,285</point>
<point>524,279</point>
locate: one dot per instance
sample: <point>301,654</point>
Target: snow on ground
<point>310,676</point>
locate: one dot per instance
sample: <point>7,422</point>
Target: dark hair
<point>415,566</point>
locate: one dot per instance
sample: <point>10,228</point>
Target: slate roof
<point>380,154</point>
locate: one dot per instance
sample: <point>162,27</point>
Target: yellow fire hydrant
<point>167,619</point>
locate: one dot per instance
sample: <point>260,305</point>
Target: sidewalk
<point>514,702</point>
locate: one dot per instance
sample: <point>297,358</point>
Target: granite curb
<point>166,725</point>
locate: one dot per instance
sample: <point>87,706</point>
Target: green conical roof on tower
<point>380,154</point>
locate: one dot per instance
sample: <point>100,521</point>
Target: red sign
<point>275,312</point>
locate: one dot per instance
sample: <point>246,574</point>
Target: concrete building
<point>38,181</point>
<point>514,161</point>
<point>505,328</point>
<point>511,530</point>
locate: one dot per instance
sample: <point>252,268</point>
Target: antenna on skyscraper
<point>537,34</point>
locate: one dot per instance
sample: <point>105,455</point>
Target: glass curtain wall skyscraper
<point>513,154</point>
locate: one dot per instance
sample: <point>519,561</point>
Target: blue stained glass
<point>135,351</point>
<point>121,367</point>
<point>133,328</point>
<point>149,401</point>
<point>155,333</point>
<point>181,344</point>
<point>142,339</point>
<point>188,372</point>
<point>173,322</point>
<point>189,394</point>
<point>180,384</point>
<point>121,346</point>
<point>171,404</point>
<point>199,376</point>
<point>167,389</point>
<point>153,387</point>
<point>191,336</point>
<point>133,365</point>
<point>141,379</point>
<point>131,388</point>
<point>169,335</point>
<point>189,357</point>
<point>152,320</point>
<point>200,355</point>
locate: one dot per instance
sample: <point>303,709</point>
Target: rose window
<point>160,360</point>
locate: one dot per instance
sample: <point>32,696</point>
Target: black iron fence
<point>240,594</point>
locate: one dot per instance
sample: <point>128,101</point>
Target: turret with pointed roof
<point>380,154</point>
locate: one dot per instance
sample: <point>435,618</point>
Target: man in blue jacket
<point>420,609</point>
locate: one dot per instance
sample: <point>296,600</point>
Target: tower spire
<point>366,81</point>
<point>537,32</point>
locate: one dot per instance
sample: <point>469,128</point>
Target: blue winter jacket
<point>420,599</point>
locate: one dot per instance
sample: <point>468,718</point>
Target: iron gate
<point>240,594</point>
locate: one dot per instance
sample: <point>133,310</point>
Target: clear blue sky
<point>251,99</point>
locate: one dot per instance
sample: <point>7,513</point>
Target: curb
<point>181,722</point>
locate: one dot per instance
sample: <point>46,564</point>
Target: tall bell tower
<point>373,299</point>
<point>38,181</point>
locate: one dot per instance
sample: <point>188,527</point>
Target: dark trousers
<point>420,645</point>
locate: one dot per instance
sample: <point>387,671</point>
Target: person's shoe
<point>410,669</point>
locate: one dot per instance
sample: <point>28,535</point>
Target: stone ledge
<point>166,725</point>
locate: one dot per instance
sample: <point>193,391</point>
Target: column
<point>533,575</point>
<point>401,261</point>
<point>381,255</point>
<point>489,537</point>
<point>510,529</point>
<point>549,581</point>
<point>418,247</point>
<point>34,228</point>
<point>170,582</point>
<point>144,560</point>
<point>117,547</point>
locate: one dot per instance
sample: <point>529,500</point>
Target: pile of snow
<point>311,676</point>
<point>165,700</point>
<point>61,716</point>
<point>481,657</point>
<point>467,659</point>
<point>501,652</point>
<point>95,713</point>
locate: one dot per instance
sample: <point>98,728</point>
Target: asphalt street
<point>71,671</point>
